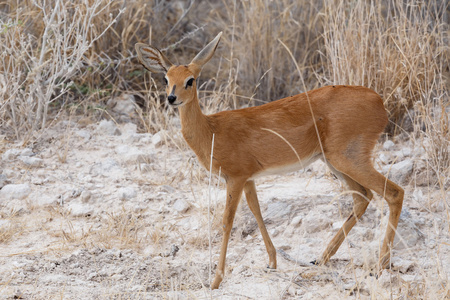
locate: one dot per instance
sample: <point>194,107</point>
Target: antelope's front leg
<point>234,192</point>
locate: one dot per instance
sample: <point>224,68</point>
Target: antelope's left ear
<point>206,53</point>
<point>152,58</point>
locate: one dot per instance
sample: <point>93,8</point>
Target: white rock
<point>26,152</point>
<point>403,265</point>
<point>406,151</point>
<point>127,193</point>
<point>296,221</point>
<point>337,225</point>
<point>388,145</point>
<point>80,209</point>
<point>400,171</point>
<point>408,235</point>
<point>131,155</point>
<point>383,158</point>
<point>316,221</point>
<point>85,196</point>
<point>107,127</point>
<point>157,138</point>
<point>418,195</point>
<point>11,154</point>
<point>3,180</point>
<point>84,134</point>
<point>15,191</point>
<point>181,206</point>
<point>278,210</point>
<point>29,161</point>
<point>124,104</point>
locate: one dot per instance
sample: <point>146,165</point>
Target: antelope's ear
<point>206,53</point>
<point>152,58</point>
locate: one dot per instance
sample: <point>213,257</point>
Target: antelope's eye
<point>190,82</point>
<point>165,81</point>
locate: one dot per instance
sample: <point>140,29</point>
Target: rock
<point>127,193</point>
<point>181,206</point>
<point>80,209</point>
<point>388,145</point>
<point>403,265</point>
<point>85,196</point>
<point>124,104</point>
<point>3,180</point>
<point>132,155</point>
<point>316,221</point>
<point>399,172</point>
<point>383,158</point>
<point>26,152</point>
<point>107,127</point>
<point>296,221</point>
<point>33,162</point>
<point>278,210</point>
<point>84,134</point>
<point>11,154</point>
<point>157,138</point>
<point>337,225</point>
<point>15,191</point>
<point>408,235</point>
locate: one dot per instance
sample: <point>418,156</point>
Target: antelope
<point>337,124</point>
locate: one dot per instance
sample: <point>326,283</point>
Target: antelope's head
<point>181,85</point>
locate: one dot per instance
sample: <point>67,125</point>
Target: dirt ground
<point>100,211</point>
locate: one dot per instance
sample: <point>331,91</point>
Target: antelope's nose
<point>172,99</point>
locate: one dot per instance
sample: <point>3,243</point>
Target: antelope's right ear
<point>152,58</point>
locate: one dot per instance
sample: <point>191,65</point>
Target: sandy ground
<point>104,212</point>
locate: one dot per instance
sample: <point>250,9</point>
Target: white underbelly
<point>282,169</point>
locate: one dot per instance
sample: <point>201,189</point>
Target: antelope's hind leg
<point>361,199</point>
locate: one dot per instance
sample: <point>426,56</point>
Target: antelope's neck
<point>196,130</point>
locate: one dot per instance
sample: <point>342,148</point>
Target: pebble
<point>388,145</point>
<point>127,193</point>
<point>296,221</point>
<point>11,154</point>
<point>399,172</point>
<point>181,206</point>
<point>15,191</point>
<point>80,210</point>
<point>157,138</point>
<point>33,162</point>
<point>108,127</point>
<point>278,210</point>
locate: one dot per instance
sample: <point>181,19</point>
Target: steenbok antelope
<point>338,124</point>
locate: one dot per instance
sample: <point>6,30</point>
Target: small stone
<point>127,193</point>
<point>296,221</point>
<point>26,152</point>
<point>403,265</point>
<point>384,158</point>
<point>33,162</point>
<point>400,171</point>
<point>278,210</point>
<point>181,206</point>
<point>85,196</point>
<point>80,209</point>
<point>15,191</point>
<point>108,127</point>
<point>3,180</point>
<point>157,138</point>
<point>11,154</point>
<point>84,134</point>
<point>388,145</point>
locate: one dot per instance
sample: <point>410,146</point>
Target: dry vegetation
<point>61,59</point>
